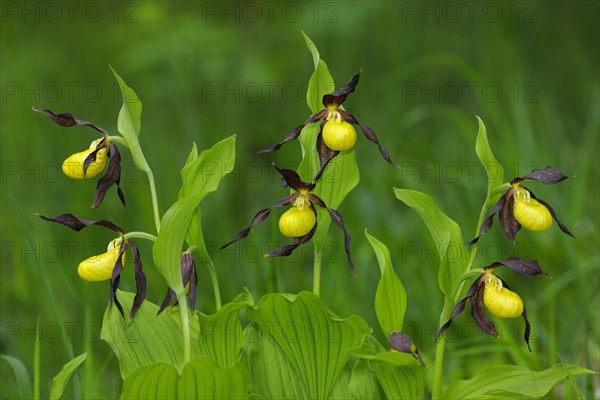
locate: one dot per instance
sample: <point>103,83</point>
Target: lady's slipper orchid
<point>337,133</point>
<point>490,290</point>
<point>190,281</point>
<point>110,264</point>
<point>519,207</point>
<point>90,163</point>
<point>300,221</point>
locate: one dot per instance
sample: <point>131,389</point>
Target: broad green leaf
<point>261,352</point>
<point>390,297</point>
<point>341,175</point>
<point>315,342</point>
<point>493,169</point>
<point>60,381</point>
<point>168,245</point>
<point>313,49</point>
<point>221,336</point>
<point>401,376</point>
<point>363,382</point>
<point>201,378</point>
<point>446,236</point>
<point>129,122</point>
<point>200,177</point>
<point>22,381</point>
<point>146,340</point>
<point>512,381</point>
<point>205,172</point>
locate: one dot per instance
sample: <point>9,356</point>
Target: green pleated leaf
<point>321,82</point>
<point>363,382</point>
<point>221,335</point>
<point>62,378</point>
<point>341,175</point>
<point>203,173</point>
<point>390,297</point>
<point>22,381</point>
<point>512,381</point>
<point>446,236</point>
<point>260,351</point>
<point>401,376</point>
<point>315,342</point>
<point>201,378</point>
<point>493,169</point>
<point>148,339</point>
<point>201,176</point>
<point>129,122</point>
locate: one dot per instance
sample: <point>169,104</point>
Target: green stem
<point>185,326</point>
<point>215,282</point>
<point>140,235</point>
<point>317,272</point>
<point>154,199</point>
<point>118,139</point>
<point>36,362</point>
<point>447,309</point>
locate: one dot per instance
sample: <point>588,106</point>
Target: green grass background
<point>528,69</point>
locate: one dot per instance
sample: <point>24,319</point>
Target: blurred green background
<point>206,70</point>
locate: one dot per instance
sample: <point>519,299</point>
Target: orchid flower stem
<point>215,282</point>
<point>185,324</point>
<point>154,199</point>
<point>317,272</point>
<point>447,310</point>
<point>140,235</point>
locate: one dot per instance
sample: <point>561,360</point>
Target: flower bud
<point>73,166</point>
<point>530,213</point>
<point>339,135</point>
<point>297,221</point>
<point>100,267</point>
<point>499,300</point>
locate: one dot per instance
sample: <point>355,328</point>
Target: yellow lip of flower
<point>339,135</point>
<point>501,301</point>
<point>73,165</point>
<point>100,267</point>
<point>297,221</point>
<point>529,212</point>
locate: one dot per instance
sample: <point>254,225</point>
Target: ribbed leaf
<point>512,381</point>
<point>201,177</point>
<point>62,378</point>
<point>493,169</point>
<point>315,342</point>
<point>280,382</point>
<point>401,375</point>
<point>146,340</point>
<point>22,381</point>
<point>201,378</point>
<point>221,335</point>
<point>390,297</point>
<point>446,236</point>
<point>129,122</point>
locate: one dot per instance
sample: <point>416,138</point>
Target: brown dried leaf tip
<point>336,131</point>
<point>491,291</point>
<point>519,207</point>
<point>108,266</point>
<point>300,220</point>
<point>91,162</point>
